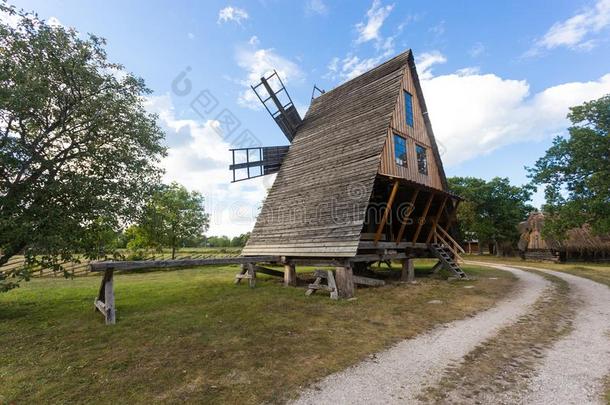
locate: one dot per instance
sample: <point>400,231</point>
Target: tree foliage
<point>575,172</point>
<point>78,151</point>
<point>173,217</point>
<point>492,209</point>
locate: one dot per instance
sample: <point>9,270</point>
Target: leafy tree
<point>492,209</point>
<point>76,144</point>
<point>575,172</point>
<point>173,217</point>
<point>219,241</point>
<point>240,241</point>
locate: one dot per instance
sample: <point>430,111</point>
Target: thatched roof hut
<point>580,243</point>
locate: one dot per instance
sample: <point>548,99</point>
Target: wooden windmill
<point>361,181</point>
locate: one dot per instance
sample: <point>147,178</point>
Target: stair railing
<point>446,239</point>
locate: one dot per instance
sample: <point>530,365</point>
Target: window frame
<point>405,156</point>
<point>419,147</point>
<point>409,117</point>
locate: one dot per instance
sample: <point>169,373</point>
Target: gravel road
<point>573,367</point>
<point>400,373</point>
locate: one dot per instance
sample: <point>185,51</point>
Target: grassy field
<point>192,335</point>
<point>595,271</point>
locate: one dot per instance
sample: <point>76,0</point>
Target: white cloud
<point>425,61</point>
<point>477,50</point>
<point>254,40</point>
<point>190,35</point>
<point>261,62</point>
<point>54,22</point>
<point>576,31</point>
<point>234,14</point>
<point>474,114</point>
<point>343,69</point>
<point>12,20</point>
<point>438,29</point>
<point>376,15</point>
<point>316,7</point>
<point>200,161</point>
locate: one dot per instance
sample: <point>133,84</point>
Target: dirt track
<point>400,373</point>
<point>569,371</point>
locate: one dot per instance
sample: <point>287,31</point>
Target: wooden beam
<point>330,279</point>
<point>270,272</point>
<point>387,211</point>
<point>145,264</point>
<point>422,219</point>
<point>372,282</point>
<point>436,219</point>
<point>366,245</point>
<point>453,215</point>
<point>403,227</point>
<point>378,257</point>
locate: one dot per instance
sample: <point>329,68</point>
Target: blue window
<point>409,108</point>
<point>422,159</point>
<point>400,150</point>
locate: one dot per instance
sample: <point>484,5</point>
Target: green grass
<point>192,335</point>
<point>599,272</point>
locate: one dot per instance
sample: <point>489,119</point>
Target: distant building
<point>580,243</point>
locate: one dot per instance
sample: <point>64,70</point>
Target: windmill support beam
<point>422,219</point>
<point>436,219</point>
<point>405,220</point>
<point>387,211</point>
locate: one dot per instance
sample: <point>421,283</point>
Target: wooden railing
<point>442,237</point>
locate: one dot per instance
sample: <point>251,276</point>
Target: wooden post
<point>109,300</point>
<point>403,227</point>
<point>330,279</point>
<point>422,220</point>
<point>387,211</point>
<point>345,281</point>
<point>105,298</point>
<point>290,275</point>
<point>408,271</point>
<point>252,275</point>
<point>244,270</point>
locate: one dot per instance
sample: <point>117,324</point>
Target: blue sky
<point>498,77</point>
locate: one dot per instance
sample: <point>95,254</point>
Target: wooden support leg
<point>437,267</point>
<point>408,271</point>
<point>105,298</point>
<point>330,279</point>
<point>290,275</point>
<point>345,282</point>
<point>243,271</point>
<point>251,275</point>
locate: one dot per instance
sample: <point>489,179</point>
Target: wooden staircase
<point>444,255</point>
<point>447,251</point>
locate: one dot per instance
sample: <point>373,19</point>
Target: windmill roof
<point>317,204</point>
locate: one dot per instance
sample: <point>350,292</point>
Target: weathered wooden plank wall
<point>414,135</point>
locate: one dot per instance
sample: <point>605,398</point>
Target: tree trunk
<point>497,248</point>
<point>173,251</point>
